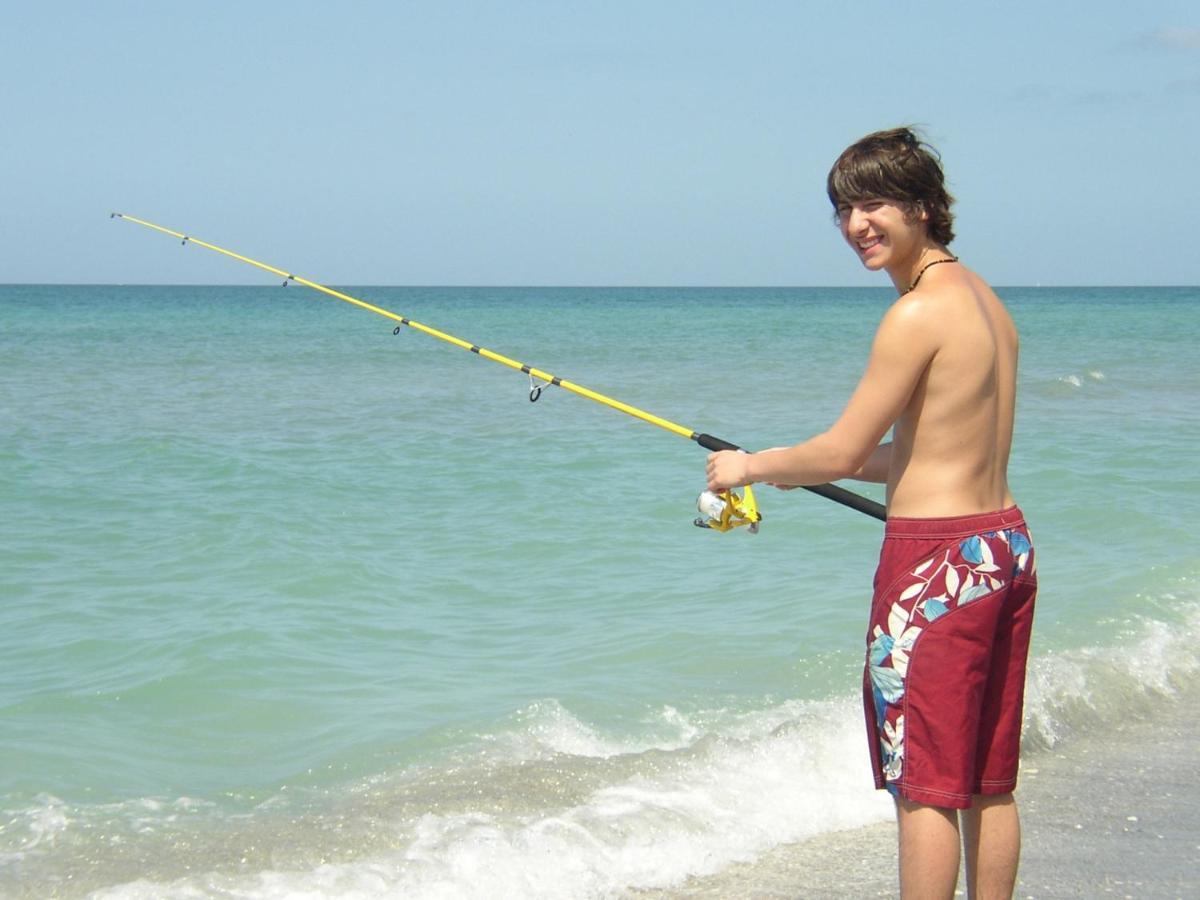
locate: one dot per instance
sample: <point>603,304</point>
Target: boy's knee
<point>987,801</point>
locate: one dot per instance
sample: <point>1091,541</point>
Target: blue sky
<point>665,143</point>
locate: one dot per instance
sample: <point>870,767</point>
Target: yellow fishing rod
<point>721,512</point>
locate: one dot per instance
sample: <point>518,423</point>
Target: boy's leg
<point>929,850</point>
<point>992,841</point>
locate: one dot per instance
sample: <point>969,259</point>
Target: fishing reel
<point>727,510</point>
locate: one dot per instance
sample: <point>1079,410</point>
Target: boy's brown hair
<point>895,165</point>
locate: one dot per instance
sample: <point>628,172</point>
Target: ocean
<point>293,606</point>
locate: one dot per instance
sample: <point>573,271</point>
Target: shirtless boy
<point>954,591</point>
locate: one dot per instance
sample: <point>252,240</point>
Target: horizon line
<point>563,286</point>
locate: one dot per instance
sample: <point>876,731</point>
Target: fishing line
<point>739,509</point>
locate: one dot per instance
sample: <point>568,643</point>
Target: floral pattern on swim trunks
<point>949,579</point>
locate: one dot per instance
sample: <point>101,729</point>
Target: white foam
<point>688,796</point>
<point>1072,690</point>
<point>34,827</point>
<point>1077,380</point>
<point>721,800</point>
<point>546,728</point>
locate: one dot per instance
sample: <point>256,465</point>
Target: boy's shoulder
<point>929,314</point>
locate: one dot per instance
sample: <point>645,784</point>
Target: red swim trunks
<point>946,649</point>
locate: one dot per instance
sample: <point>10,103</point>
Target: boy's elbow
<point>843,461</point>
<point>846,466</point>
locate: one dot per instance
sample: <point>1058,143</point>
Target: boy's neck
<point>907,271</point>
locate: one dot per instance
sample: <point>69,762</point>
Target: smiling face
<point>890,169</point>
<point>884,234</point>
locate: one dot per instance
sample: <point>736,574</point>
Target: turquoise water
<point>293,604</point>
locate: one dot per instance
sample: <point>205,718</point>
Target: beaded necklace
<point>917,280</point>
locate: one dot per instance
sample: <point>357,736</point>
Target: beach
<point>298,607</point>
<point>1111,820</point>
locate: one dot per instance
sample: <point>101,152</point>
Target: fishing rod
<point>721,511</point>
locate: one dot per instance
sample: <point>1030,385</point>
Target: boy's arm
<point>904,344</point>
<point>877,465</point>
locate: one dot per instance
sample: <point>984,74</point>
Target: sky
<point>587,143</point>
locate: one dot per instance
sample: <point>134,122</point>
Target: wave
<point>548,805</point>
<point>1070,693</point>
<point>1077,381</point>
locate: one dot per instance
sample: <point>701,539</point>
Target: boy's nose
<point>856,222</point>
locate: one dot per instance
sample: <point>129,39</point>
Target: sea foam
<point>638,813</point>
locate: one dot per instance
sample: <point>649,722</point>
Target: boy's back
<point>951,443</point>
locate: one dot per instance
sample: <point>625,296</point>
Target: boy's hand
<point>727,469</point>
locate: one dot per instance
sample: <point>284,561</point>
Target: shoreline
<point>1112,817</point>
